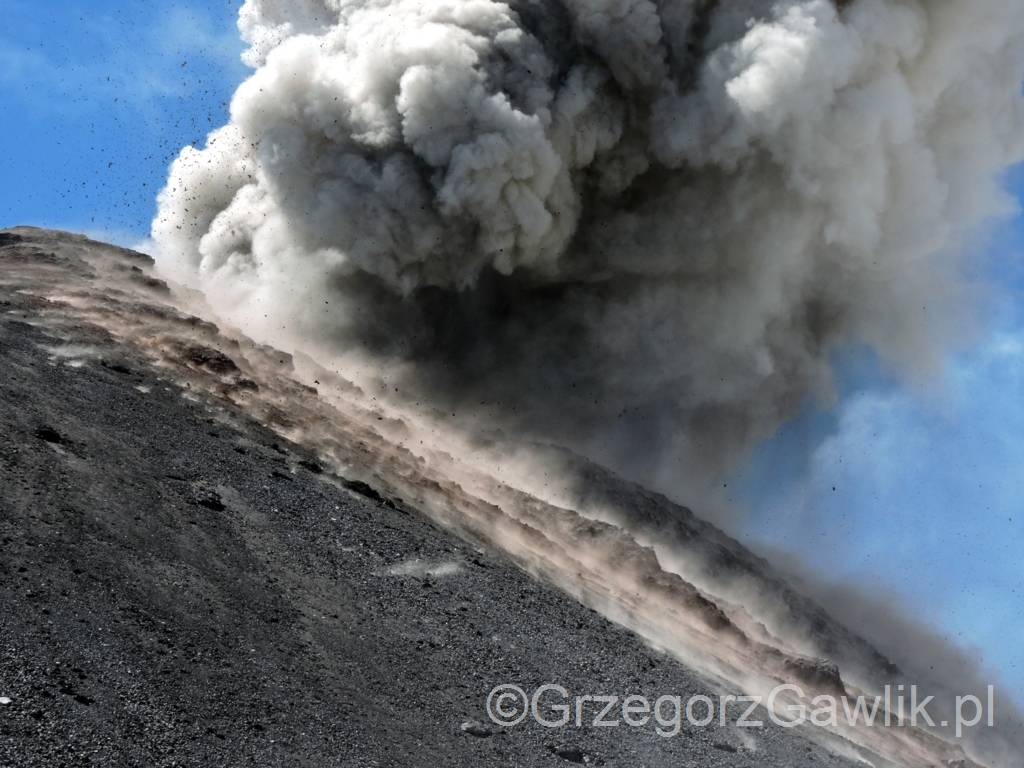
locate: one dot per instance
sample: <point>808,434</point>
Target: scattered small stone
<point>116,367</point>
<point>4,700</point>
<point>210,359</point>
<point>572,754</point>
<point>474,728</point>
<point>363,489</point>
<point>210,500</point>
<point>49,435</point>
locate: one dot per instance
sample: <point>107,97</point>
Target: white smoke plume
<point>635,227</point>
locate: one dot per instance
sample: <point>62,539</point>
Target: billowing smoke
<point>639,228</point>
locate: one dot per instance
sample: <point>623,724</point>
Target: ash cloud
<point>634,228</point>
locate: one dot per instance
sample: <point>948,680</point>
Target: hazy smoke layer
<point>636,226</point>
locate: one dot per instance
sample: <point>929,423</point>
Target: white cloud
<point>924,497</point>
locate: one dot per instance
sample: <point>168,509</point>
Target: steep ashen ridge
<point>609,552</point>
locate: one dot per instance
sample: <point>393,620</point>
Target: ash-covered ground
<point>182,584</point>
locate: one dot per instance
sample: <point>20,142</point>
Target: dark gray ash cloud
<point>635,228</point>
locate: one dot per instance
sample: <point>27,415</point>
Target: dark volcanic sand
<point>180,587</point>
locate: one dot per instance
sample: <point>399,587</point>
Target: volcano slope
<point>182,585</point>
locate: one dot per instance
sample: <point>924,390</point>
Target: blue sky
<point>928,498</point>
<point>917,492</point>
<point>94,104</point>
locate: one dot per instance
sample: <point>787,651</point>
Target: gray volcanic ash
<point>636,557</point>
<point>635,228</point>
